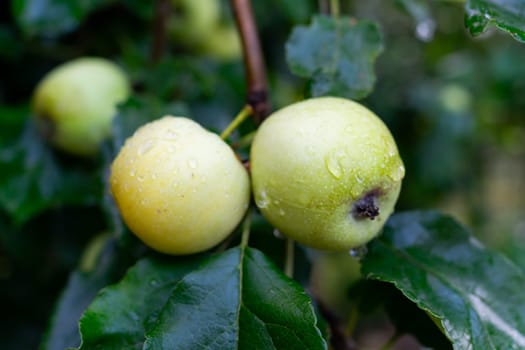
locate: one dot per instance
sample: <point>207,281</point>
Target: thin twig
<point>160,20</point>
<point>257,95</point>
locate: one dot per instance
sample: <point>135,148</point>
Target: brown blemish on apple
<point>366,206</point>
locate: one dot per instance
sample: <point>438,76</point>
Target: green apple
<point>223,43</point>
<point>75,103</point>
<point>326,172</point>
<point>194,20</point>
<point>179,188</point>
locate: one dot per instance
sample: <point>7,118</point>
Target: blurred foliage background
<point>455,104</point>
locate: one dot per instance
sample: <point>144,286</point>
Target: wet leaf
<point>34,180</point>
<point>237,299</point>
<point>475,294</point>
<point>508,15</point>
<point>52,17</point>
<point>336,54</point>
<point>82,287</point>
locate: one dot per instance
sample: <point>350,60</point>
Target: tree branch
<point>257,94</point>
<point>158,45</point>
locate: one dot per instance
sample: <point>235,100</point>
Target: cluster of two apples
<point>325,171</point>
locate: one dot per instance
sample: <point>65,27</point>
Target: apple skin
<point>223,44</point>
<point>200,26</point>
<point>326,172</point>
<point>194,20</point>
<point>75,103</point>
<point>179,187</point>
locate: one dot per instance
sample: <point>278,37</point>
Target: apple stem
<point>243,114</point>
<point>257,95</point>
<point>290,257</point>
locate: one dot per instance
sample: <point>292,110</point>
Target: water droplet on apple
<point>398,173</point>
<point>170,134</point>
<point>358,252</point>
<point>333,166</point>
<point>145,147</point>
<point>192,163</point>
<point>391,151</point>
<point>144,201</point>
<point>132,172</point>
<point>281,211</point>
<point>262,200</point>
<point>355,191</point>
<point>358,178</point>
<point>278,234</point>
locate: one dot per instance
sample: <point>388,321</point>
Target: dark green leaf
<point>508,15</point>
<point>475,293</point>
<point>81,289</point>
<point>246,303</point>
<point>336,54</point>
<point>33,180</point>
<point>52,17</point>
<point>120,315</point>
<point>514,249</point>
<point>234,300</point>
<point>13,120</point>
<point>10,45</point>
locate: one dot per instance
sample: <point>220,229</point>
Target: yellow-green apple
<point>75,103</point>
<point>193,20</point>
<point>179,188</point>
<point>326,172</point>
